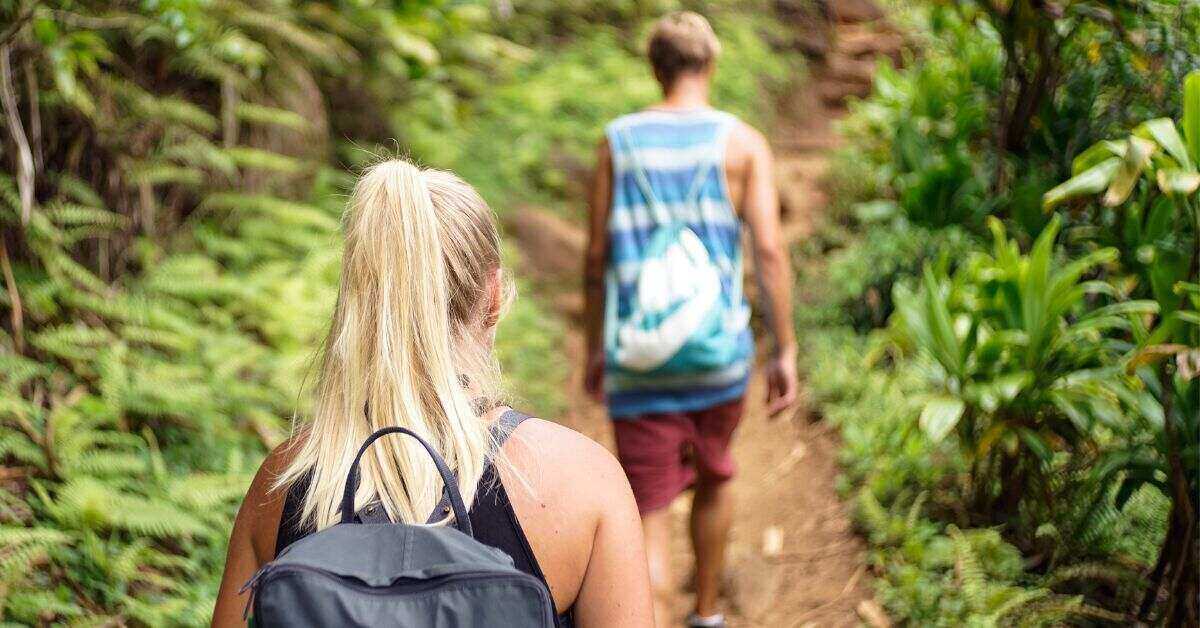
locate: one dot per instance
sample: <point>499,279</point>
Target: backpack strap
<point>501,429</point>
<point>461,520</point>
<point>643,182</point>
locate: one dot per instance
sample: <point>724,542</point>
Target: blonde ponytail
<point>409,345</point>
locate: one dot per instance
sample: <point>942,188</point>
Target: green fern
<point>258,159</point>
<point>970,574</point>
<point>261,114</point>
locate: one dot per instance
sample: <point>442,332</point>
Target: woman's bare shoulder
<point>540,442</point>
<point>558,465</point>
<point>264,500</point>
<point>559,482</point>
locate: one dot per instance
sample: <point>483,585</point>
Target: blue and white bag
<point>681,320</point>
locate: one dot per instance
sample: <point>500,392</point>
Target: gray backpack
<point>388,574</point>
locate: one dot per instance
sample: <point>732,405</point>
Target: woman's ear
<point>495,299</point>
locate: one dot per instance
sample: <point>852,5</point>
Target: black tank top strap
<point>492,515</point>
<point>292,528</point>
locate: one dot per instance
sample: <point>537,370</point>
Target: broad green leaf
<point>940,416</point>
<point>875,211</point>
<point>1137,156</point>
<point>944,344</point>
<point>1191,114</point>
<point>1069,275</point>
<point>1039,306</point>
<point>1153,354</point>
<point>1003,389</point>
<point>1161,221</point>
<point>1178,182</point>
<point>1089,182</point>
<point>1142,306</point>
<point>1095,154</point>
<point>1162,130</point>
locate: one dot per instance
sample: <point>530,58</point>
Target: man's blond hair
<point>682,42</point>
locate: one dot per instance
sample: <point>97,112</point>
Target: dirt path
<point>794,559</point>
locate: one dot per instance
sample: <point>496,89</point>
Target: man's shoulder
<point>745,142</point>
<point>624,120</point>
<point>650,114</point>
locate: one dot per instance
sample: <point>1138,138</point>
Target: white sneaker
<point>712,621</point>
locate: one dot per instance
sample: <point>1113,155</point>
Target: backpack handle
<point>461,520</point>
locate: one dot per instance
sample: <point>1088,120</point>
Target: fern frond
<point>173,109</point>
<point>161,172</point>
<point>201,491</point>
<point>198,152</point>
<point>72,341</point>
<point>12,536</point>
<point>105,463</point>
<point>262,114</point>
<point>259,159</point>
<point>89,502</point>
<point>138,335</point>
<point>16,369</point>
<point>288,212</point>
<point>966,566</point>
<point>328,49</point>
<point>75,215</point>
<point>1018,600</point>
<point>1109,572</point>
<point>78,191</point>
<point>31,606</point>
<point>18,446</point>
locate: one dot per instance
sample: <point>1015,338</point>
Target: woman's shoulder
<point>265,498</point>
<point>560,466</point>
<point>563,487</point>
<point>542,442</point>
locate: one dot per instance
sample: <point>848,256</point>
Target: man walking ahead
<point>669,345</point>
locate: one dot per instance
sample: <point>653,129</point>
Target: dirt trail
<point>794,559</point>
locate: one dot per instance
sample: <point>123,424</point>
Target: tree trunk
<point>1178,568</point>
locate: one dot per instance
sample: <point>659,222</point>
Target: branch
<point>35,116</point>
<point>15,27</point>
<point>94,22</point>
<point>14,298</point>
<point>8,99</point>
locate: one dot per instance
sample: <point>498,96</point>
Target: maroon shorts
<point>664,453</point>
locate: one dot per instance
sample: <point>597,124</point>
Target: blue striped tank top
<point>672,148</point>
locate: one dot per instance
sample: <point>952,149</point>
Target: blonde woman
<point>410,345</point>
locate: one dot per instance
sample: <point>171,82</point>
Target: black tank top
<point>492,517</point>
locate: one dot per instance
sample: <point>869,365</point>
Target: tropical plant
<point>1058,384</point>
<point>1021,372</point>
<point>1156,169</point>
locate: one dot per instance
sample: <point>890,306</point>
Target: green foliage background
<point>1009,359</point>
<point>170,244</point>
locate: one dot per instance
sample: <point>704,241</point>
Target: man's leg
<point>656,527</point>
<point>712,506</point>
<point>712,514</point>
<point>650,449</point>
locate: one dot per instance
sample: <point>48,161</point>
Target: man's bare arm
<point>760,211</point>
<point>595,259</point>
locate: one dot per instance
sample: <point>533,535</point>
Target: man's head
<point>682,44</point>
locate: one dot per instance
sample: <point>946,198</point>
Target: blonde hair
<point>682,42</point>
<point>409,345</point>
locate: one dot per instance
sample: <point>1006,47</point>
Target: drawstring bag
<point>680,319</point>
